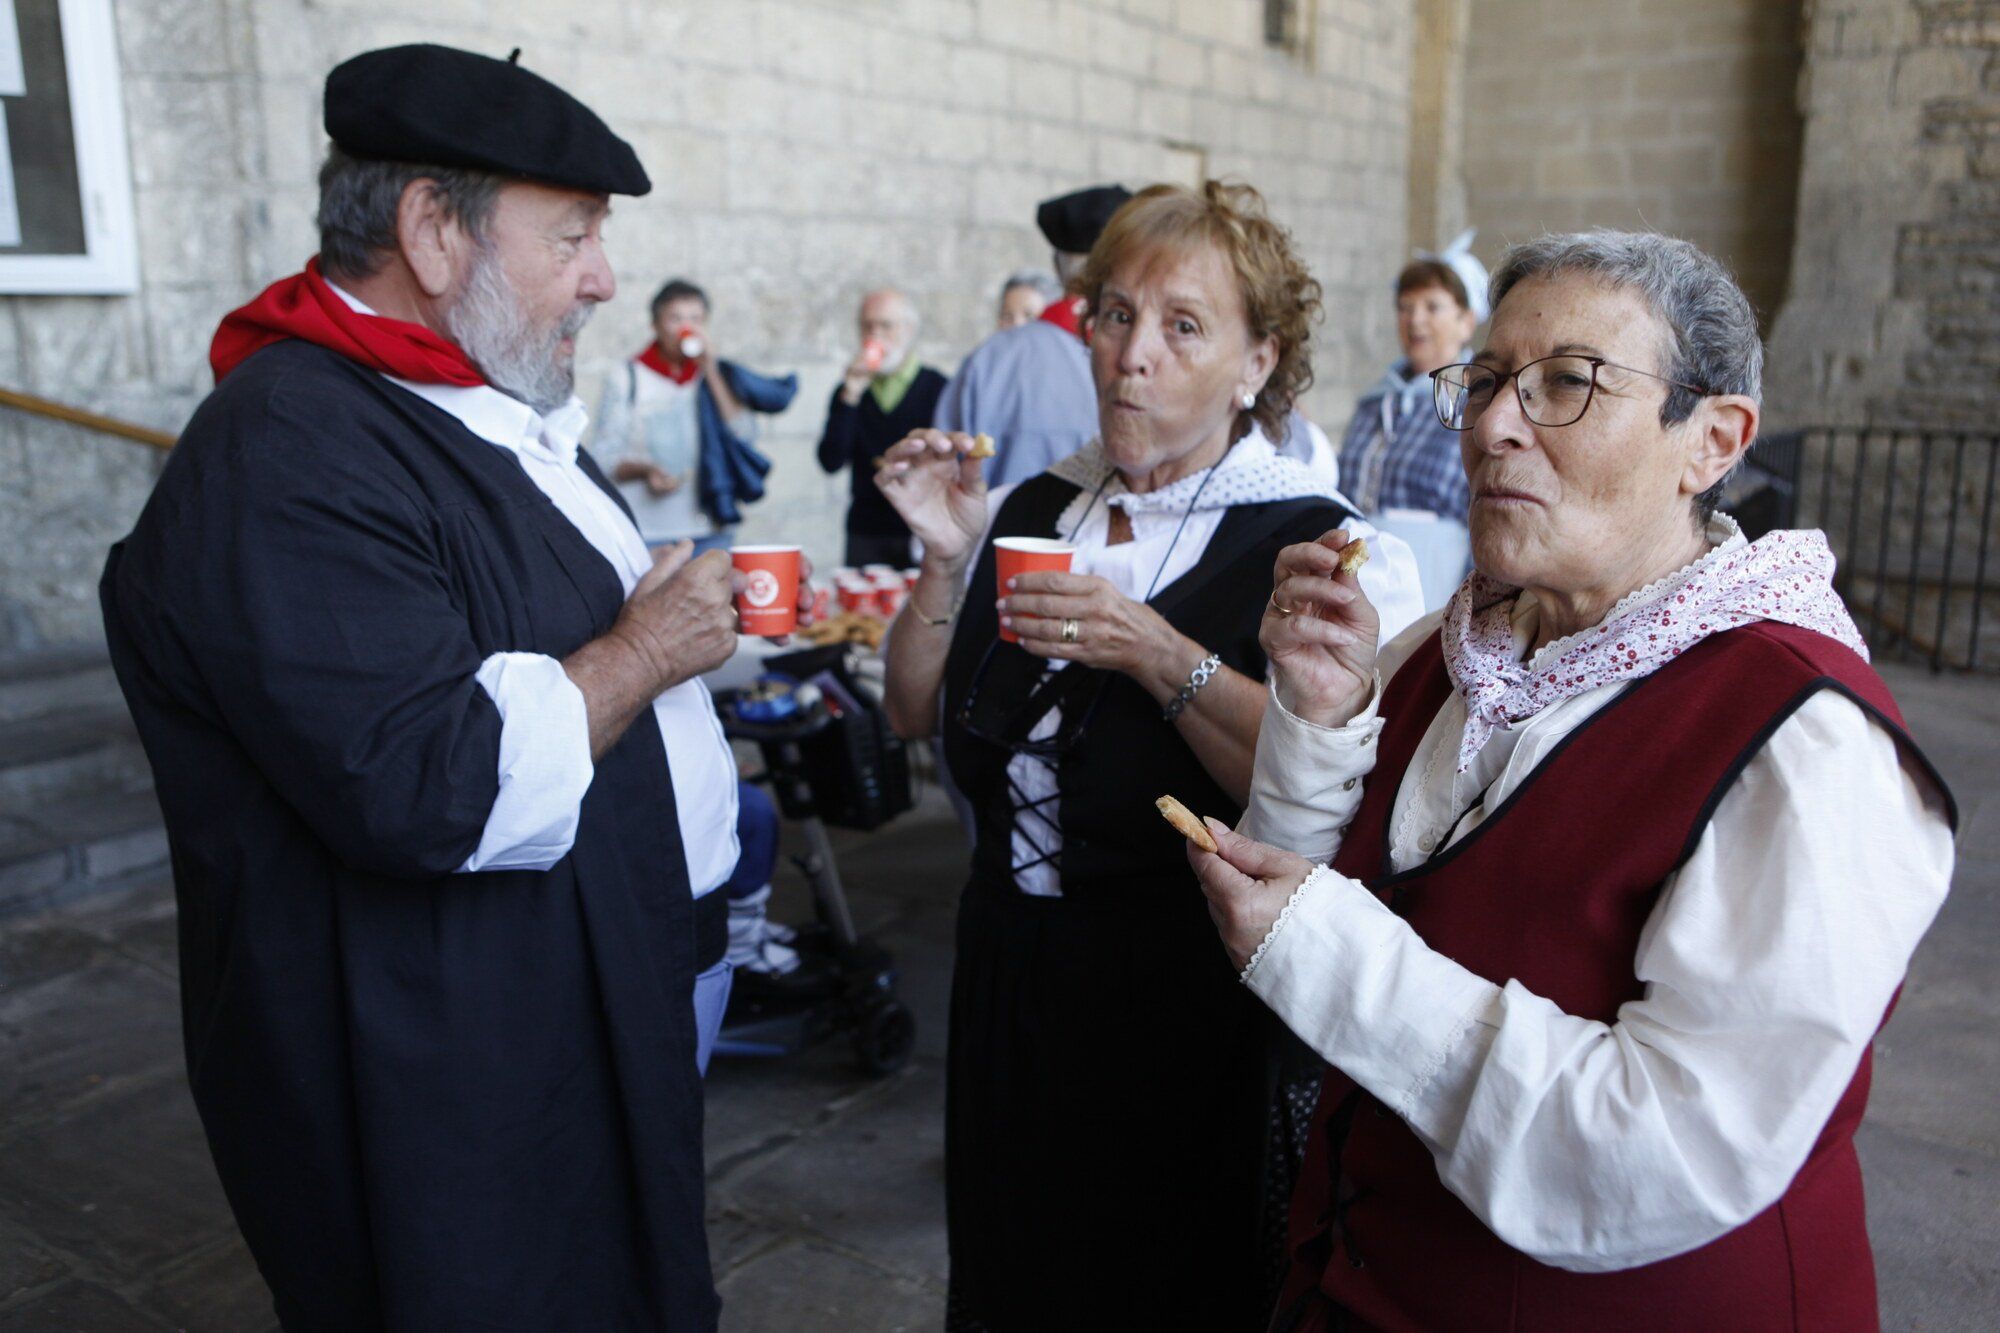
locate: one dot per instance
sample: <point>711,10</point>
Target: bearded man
<point>441,783</point>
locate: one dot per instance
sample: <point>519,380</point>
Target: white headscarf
<point>1458,257</point>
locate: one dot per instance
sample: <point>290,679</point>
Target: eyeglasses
<point>1033,689</point>
<point>1553,391</point>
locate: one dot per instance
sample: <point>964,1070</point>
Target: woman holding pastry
<point>1109,1130</point>
<point>1594,888</point>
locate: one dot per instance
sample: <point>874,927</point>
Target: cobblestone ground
<point>826,1188</point>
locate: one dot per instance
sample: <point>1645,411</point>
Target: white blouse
<point>1161,551</point>
<point>1766,966</point>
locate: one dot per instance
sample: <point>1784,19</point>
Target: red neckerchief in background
<point>1066,313</point>
<point>303,306</point>
<point>680,372</point>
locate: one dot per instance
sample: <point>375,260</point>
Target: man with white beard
<point>441,781</point>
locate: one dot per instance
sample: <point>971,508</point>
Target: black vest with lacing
<point>1126,754</point>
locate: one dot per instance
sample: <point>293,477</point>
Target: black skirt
<point>1119,1145</point>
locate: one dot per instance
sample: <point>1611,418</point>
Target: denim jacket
<point>732,470</point>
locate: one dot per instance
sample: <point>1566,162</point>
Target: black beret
<point>1075,221</point>
<point>444,107</point>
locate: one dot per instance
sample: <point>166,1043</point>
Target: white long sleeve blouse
<point>1767,966</point>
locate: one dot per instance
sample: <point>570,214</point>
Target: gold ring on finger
<point>1282,610</point>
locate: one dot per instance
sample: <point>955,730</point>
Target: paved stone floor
<point>827,1187</point>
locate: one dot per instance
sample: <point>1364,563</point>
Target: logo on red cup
<point>762,588</point>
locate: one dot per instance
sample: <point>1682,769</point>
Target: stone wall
<point>803,150</point>
<point>1670,115</point>
<point>1894,314</point>
<point>1437,122</point>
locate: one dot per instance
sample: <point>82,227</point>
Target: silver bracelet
<point>1203,673</point>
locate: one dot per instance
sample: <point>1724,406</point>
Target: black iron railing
<point>1909,512</point>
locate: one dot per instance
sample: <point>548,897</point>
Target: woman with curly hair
<point>1111,1156</point>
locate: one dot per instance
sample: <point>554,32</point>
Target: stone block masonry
<point>1674,117</point>
<point>803,151</point>
<point>1894,315</point>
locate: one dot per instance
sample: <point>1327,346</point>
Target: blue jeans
<point>757,833</point>
<point>711,1001</point>
<point>756,839</point>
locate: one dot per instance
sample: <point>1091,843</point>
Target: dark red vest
<point>1552,891</point>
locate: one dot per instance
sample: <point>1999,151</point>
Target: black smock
<point>1117,1149</point>
<point>436,1101</point>
<point>857,434</point>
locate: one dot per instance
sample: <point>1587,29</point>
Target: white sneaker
<point>754,943</point>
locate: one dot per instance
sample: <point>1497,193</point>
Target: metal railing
<point>1910,513</point>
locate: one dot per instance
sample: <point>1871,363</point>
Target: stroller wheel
<point>884,1037</point>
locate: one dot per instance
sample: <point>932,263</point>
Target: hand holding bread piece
<point>1185,823</point>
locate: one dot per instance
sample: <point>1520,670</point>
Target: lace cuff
<point>1298,896</point>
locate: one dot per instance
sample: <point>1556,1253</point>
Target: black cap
<point>1075,221</point>
<point>444,107</point>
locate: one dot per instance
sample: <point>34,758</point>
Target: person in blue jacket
<point>678,427</point>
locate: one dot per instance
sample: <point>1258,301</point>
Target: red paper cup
<point>910,577</point>
<point>1022,555</point>
<point>822,604</point>
<point>769,603</point>
<point>889,594</point>
<point>855,595</point>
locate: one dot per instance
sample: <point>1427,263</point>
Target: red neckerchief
<point>303,306</point>
<point>1066,313</point>
<point>680,372</point>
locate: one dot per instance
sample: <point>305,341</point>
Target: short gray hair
<point>358,198</point>
<point>1042,282</point>
<point>1710,324</point>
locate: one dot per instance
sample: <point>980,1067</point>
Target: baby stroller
<point>829,758</point>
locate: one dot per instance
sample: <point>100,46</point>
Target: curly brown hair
<point>1280,297</point>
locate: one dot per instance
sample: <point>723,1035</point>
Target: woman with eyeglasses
<point>1594,889</point>
<point>1398,462</point>
<point>1111,1157</point>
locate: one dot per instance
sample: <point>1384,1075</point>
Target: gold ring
<point>1069,630</point>
<point>1281,610</point>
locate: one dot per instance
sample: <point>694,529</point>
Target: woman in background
<point>1397,463</point>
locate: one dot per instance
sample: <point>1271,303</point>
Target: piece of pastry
<point>1185,823</point>
<point>1354,555</point>
<point>982,447</point>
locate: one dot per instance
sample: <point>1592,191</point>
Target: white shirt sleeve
<point>545,765</point>
<point>1766,966</point>
<point>1391,580</point>
<point>1308,780</point>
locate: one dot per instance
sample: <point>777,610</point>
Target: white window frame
<point>109,265</point>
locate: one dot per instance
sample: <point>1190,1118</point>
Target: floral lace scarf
<point>1785,577</point>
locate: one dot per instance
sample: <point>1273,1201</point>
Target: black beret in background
<point>1073,222</point>
<point>444,107</point>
